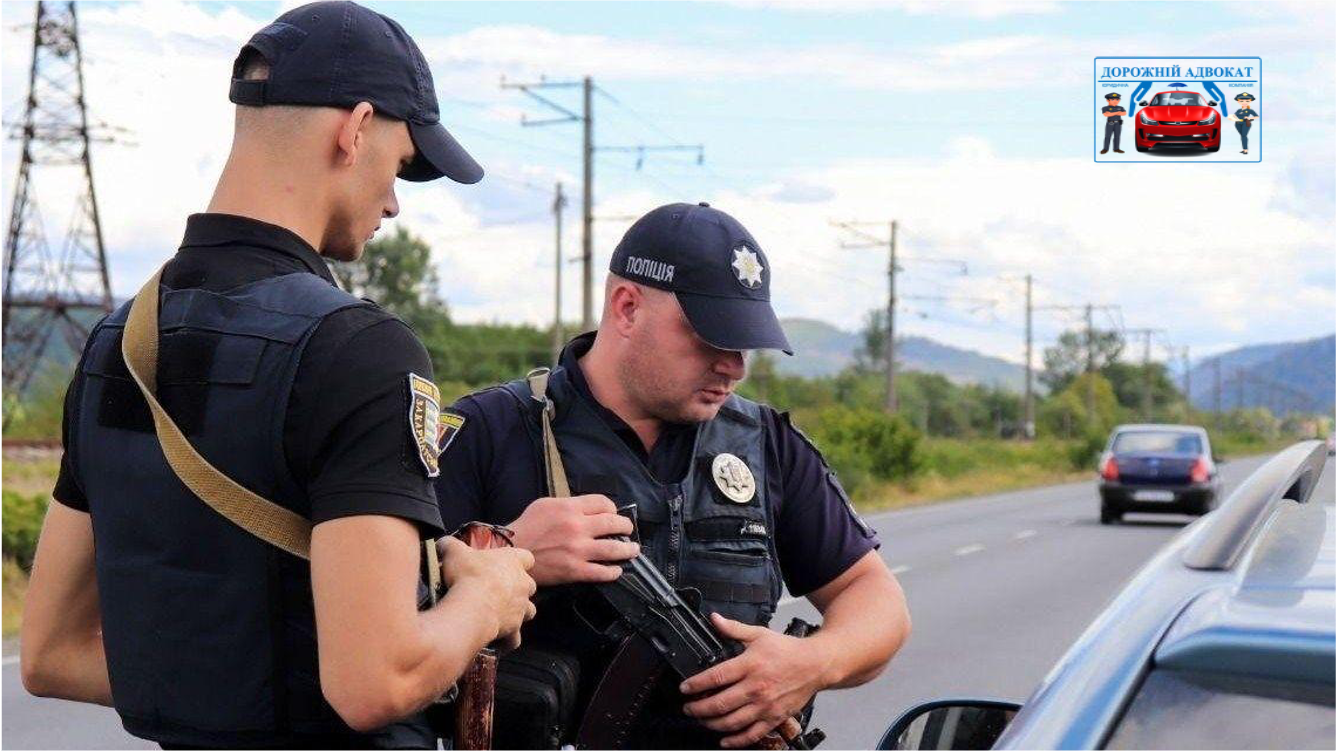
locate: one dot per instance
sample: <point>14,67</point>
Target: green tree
<point>872,354</point>
<point>397,272</point>
<point>1129,380</point>
<point>1066,359</point>
<point>1065,414</point>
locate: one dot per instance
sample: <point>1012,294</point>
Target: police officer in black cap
<point>154,589</point>
<point>732,501</point>
<point>1244,117</point>
<point>1113,115</point>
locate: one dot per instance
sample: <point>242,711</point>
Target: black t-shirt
<point>346,436</point>
<point>1114,108</point>
<point>489,472</point>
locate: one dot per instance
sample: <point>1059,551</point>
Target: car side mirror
<point>1211,103</point>
<point>950,724</point>
<point>1141,104</point>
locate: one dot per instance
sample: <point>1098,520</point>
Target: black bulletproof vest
<point>208,630</point>
<point>697,536</point>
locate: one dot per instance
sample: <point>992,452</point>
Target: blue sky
<point>969,123</point>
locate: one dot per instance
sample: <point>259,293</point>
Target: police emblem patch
<point>748,267</point>
<point>448,429</point>
<point>733,478</point>
<point>425,421</point>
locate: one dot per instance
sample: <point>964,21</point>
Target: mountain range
<point>821,349</point>
<point>1281,376</point>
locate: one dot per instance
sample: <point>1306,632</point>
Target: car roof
<point>1247,588</point>
<point>1276,621</point>
<point>1158,427</point>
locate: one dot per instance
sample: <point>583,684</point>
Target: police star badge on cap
<point>733,478</point>
<point>748,267</point>
<point>425,422</point>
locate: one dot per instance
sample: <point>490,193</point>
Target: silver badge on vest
<point>733,478</point>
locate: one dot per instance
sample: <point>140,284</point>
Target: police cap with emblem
<point>337,54</point>
<point>715,268</point>
<point>1244,96</point>
<point>1113,95</point>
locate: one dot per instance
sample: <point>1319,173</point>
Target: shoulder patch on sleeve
<point>831,478</point>
<point>448,429</point>
<point>425,421</point>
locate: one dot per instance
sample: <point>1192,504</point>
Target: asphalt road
<point>998,587</point>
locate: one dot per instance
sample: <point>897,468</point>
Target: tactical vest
<point>693,532</point>
<point>208,631</point>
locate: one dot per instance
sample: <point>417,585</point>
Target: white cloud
<point>484,53</point>
<point>1219,254</point>
<point>981,9</point>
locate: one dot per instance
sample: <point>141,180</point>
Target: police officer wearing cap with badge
<point>1113,115</point>
<point>731,500</point>
<point>1244,118</point>
<point>278,395</point>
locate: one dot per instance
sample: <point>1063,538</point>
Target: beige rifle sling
<point>255,514</point>
<point>552,459</point>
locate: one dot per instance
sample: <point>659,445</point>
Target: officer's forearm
<point>380,658</point>
<point>61,653</point>
<point>863,625</point>
<point>75,669</point>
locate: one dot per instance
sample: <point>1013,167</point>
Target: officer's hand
<point>567,538</point>
<point>497,577</point>
<point>748,696</point>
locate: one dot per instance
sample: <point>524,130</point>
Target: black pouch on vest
<point>536,699</point>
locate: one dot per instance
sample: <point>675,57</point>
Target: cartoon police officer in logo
<point>1113,114</point>
<point>1244,118</point>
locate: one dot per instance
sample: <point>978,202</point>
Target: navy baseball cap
<point>336,54</point>
<point>715,268</point>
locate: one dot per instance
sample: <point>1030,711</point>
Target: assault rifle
<point>666,629</point>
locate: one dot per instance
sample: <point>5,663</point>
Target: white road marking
<point>973,548</point>
<point>1023,535</point>
<point>900,568</point>
<point>10,660</point>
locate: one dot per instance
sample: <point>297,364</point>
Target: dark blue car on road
<point>1163,469</point>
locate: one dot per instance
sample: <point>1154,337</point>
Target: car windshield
<point>1177,98</point>
<point>1164,442</point>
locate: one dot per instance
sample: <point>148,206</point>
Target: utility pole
<point>868,240</point>
<point>1088,318</point>
<point>558,204</point>
<point>587,211</point>
<point>1028,430</point>
<point>1146,369</point>
<point>891,321</point>
<point>1216,389</point>
<point>1188,376</point>
<point>1090,367</point>
<point>588,148</point>
<point>53,289</point>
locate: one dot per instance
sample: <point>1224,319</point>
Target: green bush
<point>954,458</point>
<point>864,445</point>
<point>1083,453</point>
<point>22,524</point>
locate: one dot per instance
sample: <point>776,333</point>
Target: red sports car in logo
<point>1178,118</point>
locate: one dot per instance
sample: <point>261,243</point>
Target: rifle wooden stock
<point>473,709</point>
<point>478,685</point>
